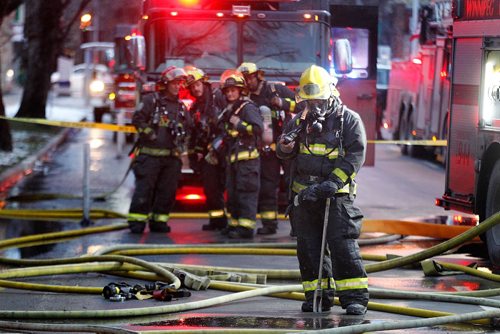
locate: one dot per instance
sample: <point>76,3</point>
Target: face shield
<point>317,108</point>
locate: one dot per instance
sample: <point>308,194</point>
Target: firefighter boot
<point>136,227</point>
<point>268,227</point>
<point>355,309</point>
<point>326,301</point>
<point>219,223</point>
<point>240,233</point>
<point>160,227</point>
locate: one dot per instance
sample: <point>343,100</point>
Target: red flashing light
<point>220,14</point>
<point>307,16</point>
<point>193,195</point>
<point>443,74</point>
<point>174,13</point>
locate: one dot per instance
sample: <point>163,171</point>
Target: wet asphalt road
<point>397,187</point>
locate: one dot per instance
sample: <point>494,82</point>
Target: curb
<point>11,176</point>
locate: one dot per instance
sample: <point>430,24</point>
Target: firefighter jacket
<point>243,140</point>
<point>204,115</point>
<point>336,153</point>
<point>279,116</point>
<point>163,125</point>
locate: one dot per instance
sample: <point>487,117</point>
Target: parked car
<point>100,81</point>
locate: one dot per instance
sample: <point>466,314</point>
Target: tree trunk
<point>6,7</point>
<point>43,32</point>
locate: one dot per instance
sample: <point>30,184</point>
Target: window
<point>358,39</point>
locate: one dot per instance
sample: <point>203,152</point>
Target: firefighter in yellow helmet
<point>327,144</point>
<point>275,102</point>
<point>242,125</point>
<point>205,118</point>
<point>163,125</point>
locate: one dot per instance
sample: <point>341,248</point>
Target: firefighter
<point>275,102</point>
<point>205,130</point>
<point>163,124</point>
<point>243,127</point>
<point>326,142</point>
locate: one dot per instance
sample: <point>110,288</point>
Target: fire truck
<point>472,182</point>
<point>418,92</point>
<point>283,37</point>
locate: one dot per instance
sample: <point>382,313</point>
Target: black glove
<point>327,189</point>
<point>308,194</point>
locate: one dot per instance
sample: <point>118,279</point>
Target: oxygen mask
<point>317,112</point>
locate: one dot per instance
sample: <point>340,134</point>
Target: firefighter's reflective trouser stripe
<point>326,283</point>
<point>156,181</point>
<point>269,187</point>
<point>342,260</point>
<point>137,217</point>
<point>216,213</point>
<point>341,285</point>
<point>243,184</point>
<point>159,218</point>
<point>214,179</point>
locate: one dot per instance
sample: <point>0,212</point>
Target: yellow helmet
<point>194,74</point>
<point>232,78</point>
<point>251,68</point>
<point>248,68</point>
<point>173,73</point>
<point>317,84</point>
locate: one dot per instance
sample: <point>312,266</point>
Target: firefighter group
<point>238,137</point>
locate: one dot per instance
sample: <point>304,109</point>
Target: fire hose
<point>398,261</point>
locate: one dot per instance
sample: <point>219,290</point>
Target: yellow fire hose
<point>375,267</point>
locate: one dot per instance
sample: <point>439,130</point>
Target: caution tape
<point>80,125</point>
<point>131,129</point>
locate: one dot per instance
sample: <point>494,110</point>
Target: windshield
<point>284,46</point>
<point>276,47</point>
<point>204,44</point>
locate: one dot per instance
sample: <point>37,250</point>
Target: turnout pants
<point>156,181</point>
<point>343,271</point>
<point>243,184</point>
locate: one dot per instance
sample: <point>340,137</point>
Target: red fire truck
<point>418,92</point>
<point>283,37</point>
<point>473,169</point>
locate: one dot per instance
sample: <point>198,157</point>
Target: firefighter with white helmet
<point>205,118</point>
<point>275,102</point>
<point>327,144</point>
<point>242,125</point>
<point>163,125</point>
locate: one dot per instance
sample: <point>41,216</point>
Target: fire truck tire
<point>493,206</point>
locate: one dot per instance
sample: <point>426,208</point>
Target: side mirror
<point>137,49</point>
<point>342,56</point>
